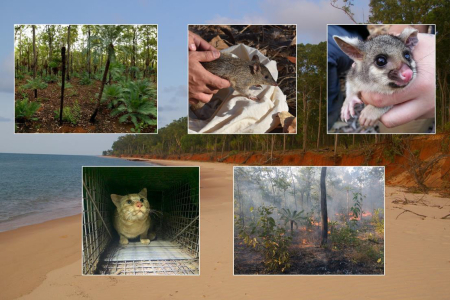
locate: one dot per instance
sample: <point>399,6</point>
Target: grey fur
<point>365,76</point>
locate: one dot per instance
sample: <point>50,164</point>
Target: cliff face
<point>426,147</point>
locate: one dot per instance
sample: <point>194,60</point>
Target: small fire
<point>304,241</point>
<point>366,214</point>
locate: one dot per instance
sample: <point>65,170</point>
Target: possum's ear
<point>409,37</point>
<point>353,47</point>
<point>143,193</point>
<point>116,199</point>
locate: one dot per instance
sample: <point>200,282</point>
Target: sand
<point>45,259</point>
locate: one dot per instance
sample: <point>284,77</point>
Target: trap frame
<point>174,191</point>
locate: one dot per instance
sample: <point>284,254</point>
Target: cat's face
<point>132,206</point>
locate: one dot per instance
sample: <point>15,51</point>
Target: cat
<point>132,217</point>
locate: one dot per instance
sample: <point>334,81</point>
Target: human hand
<point>419,99</point>
<point>202,84</point>
<point>196,43</point>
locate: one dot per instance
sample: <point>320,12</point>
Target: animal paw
<point>123,241</point>
<point>145,241</point>
<point>348,108</point>
<point>370,115</point>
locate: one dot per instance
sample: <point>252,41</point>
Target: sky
<point>311,17</point>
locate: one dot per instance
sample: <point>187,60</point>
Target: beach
<point>45,259</point>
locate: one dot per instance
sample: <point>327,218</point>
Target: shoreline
<point>44,259</point>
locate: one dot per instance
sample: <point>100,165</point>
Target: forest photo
<point>85,78</point>
<point>309,220</point>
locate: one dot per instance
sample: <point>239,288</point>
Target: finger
<point>205,56</point>
<point>203,97</point>
<point>216,83</point>
<point>402,113</point>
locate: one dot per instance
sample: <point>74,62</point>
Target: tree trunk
<point>68,53</point>
<point>92,120</point>
<point>323,206</point>
<point>89,53</point>
<point>63,57</point>
<point>34,57</point>
<point>336,136</point>
<point>320,116</point>
<point>305,121</point>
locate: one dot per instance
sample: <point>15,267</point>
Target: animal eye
<point>129,201</point>
<point>381,60</point>
<point>142,200</point>
<point>407,55</point>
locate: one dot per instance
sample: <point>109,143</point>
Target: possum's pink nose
<point>139,204</point>
<point>406,73</point>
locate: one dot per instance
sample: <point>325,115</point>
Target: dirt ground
<point>86,96</point>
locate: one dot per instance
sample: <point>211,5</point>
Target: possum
<point>382,64</point>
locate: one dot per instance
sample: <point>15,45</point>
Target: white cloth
<point>238,114</point>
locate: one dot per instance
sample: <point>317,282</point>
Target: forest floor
<point>82,100</point>
<point>311,259</point>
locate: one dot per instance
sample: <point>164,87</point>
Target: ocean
<point>39,187</point>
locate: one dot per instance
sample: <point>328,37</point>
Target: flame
<point>304,241</point>
<point>367,214</point>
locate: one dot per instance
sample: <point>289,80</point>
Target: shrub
<point>85,79</point>
<point>343,237</point>
<point>137,107</point>
<point>70,114</point>
<point>267,238</point>
<point>25,110</point>
<point>50,79</point>
<point>35,84</point>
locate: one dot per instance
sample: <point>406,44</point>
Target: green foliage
<point>85,79</point>
<point>67,85</point>
<point>378,220</point>
<point>50,79</point>
<point>395,148</point>
<point>35,84</point>
<point>293,217</point>
<point>343,237</point>
<point>19,76</point>
<point>25,110</point>
<point>267,238</point>
<point>136,105</point>
<point>112,93</point>
<point>70,114</point>
<point>356,209</point>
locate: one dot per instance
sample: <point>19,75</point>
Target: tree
<point>293,217</point>
<point>107,35</point>
<point>323,206</point>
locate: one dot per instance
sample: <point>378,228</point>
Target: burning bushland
<point>309,220</point>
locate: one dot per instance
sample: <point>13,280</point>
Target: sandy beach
<point>44,261</point>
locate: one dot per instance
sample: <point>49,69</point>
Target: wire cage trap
<point>173,191</point>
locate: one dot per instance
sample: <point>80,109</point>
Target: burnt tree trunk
<point>92,120</point>
<point>323,206</point>
<point>63,78</point>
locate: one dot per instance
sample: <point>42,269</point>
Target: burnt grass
<point>85,95</point>
<point>305,259</point>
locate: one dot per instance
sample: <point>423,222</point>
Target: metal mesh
<point>97,225</point>
<point>178,228</point>
<point>151,267</point>
<point>182,217</point>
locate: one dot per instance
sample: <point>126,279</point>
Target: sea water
<point>39,187</point>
